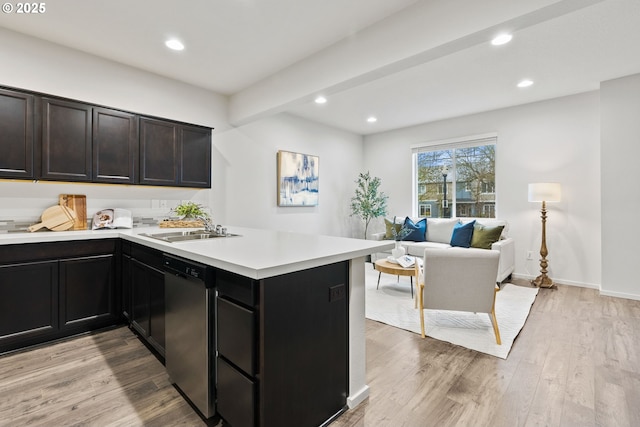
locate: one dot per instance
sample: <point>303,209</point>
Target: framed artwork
<point>298,179</point>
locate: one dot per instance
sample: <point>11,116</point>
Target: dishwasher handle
<point>188,269</point>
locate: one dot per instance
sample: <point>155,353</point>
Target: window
<point>456,178</point>
<point>488,187</point>
<point>425,211</point>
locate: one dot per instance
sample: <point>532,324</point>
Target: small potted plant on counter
<point>186,215</point>
<point>189,211</point>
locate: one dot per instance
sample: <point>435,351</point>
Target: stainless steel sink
<point>181,236</point>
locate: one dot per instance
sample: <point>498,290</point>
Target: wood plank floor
<point>575,363</point>
<point>106,379</point>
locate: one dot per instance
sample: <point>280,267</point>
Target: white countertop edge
<point>258,242</point>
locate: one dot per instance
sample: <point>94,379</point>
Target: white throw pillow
<point>440,229</point>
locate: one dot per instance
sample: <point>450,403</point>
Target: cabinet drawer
<point>151,257</point>
<point>236,335</point>
<point>236,396</point>
<point>239,288</point>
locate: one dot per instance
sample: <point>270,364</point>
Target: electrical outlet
<point>529,255</point>
<point>163,204</point>
<point>337,292</point>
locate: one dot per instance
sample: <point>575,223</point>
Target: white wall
<point>620,134</point>
<point>35,65</point>
<point>245,165</point>
<point>244,159</point>
<point>556,140</point>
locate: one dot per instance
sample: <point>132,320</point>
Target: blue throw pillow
<point>462,234</point>
<point>417,230</point>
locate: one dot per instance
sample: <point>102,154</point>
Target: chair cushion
<point>417,230</point>
<point>484,236</point>
<point>417,248</point>
<point>440,229</point>
<point>461,235</point>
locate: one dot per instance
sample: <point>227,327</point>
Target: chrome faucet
<point>208,225</point>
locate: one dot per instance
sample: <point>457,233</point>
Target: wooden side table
<point>384,266</point>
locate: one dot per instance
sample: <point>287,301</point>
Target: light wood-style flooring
<point>106,379</point>
<point>575,363</point>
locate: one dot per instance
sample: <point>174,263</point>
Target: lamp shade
<point>544,192</point>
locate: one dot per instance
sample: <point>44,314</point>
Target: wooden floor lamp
<point>544,192</point>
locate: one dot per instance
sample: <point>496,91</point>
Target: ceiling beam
<point>428,30</point>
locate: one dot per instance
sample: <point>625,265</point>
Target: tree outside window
<point>470,181</point>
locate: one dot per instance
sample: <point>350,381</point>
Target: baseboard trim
<point>354,399</point>
<point>603,292</point>
<point>620,295</point>
<point>559,281</point>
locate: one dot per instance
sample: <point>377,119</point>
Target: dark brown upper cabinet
<point>115,146</point>
<point>66,140</point>
<point>195,157</point>
<point>158,152</point>
<point>16,134</point>
<point>174,154</point>
<point>51,138</point>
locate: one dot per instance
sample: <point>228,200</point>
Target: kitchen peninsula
<point>301,295</point>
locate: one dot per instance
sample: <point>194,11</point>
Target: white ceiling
<point>276,55</point>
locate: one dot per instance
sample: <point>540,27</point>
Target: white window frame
<point>448,144</point>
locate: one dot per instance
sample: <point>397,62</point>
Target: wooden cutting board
<point>56,218</point>
<point>78,203</point>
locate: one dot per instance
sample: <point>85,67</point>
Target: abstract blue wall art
<point>298,179</point>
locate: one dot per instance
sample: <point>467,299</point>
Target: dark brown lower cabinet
<point>87,294</point>
<point>283,347</point>
<point>146,288</point>
<point>28,303</point>
<point>54,290</point>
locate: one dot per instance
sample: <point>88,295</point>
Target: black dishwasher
<point>190,330</point>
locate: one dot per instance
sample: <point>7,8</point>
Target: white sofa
<point>439,232</point>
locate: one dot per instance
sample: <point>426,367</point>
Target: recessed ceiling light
<point>525,83</point>
<point>501,39</point>
<point>372,119</point>
<point>321,100</point>
<point>174,44</point>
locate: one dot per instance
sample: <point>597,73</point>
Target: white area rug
<point>392,304</point>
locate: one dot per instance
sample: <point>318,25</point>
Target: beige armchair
<point>459,279</point>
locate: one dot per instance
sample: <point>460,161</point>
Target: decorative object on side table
<point>544,192</point>
<point>398,236</point>
<point>368,202</point>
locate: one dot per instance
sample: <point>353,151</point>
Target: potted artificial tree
<point>369,202</point>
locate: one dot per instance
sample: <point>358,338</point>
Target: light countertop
<point>255,253</point>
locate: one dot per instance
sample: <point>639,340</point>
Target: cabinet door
<point>158,152</point>
<point>140,297</point>
<point>126,286</point>
<point>28,303</point>
<point>195,157</point>
<point>16,134</point>
<point>87,292</point>
<point>156,310</point>
<point>66,140</point>
<point>147,303</point>
<point>115,146</point>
